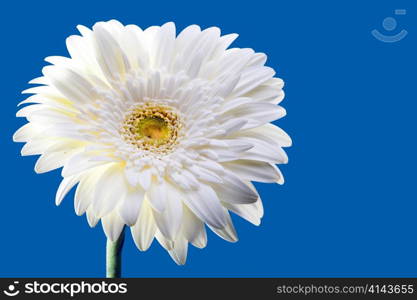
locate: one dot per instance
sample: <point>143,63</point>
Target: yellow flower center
<point>152,128</point>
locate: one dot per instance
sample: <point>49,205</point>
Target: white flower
<point>162,133</point>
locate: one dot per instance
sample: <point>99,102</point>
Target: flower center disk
<point>153,128</point>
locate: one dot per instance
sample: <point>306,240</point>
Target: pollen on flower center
<point>153,128</point>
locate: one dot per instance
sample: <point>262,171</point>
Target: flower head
<point>162,133</point>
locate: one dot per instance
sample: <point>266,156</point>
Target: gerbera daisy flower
<point>159,132</point>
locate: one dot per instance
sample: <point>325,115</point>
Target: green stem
<point>114,256</point>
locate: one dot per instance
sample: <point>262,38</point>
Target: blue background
<point>348,206</point>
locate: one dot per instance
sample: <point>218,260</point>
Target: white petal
<point>132,175</point>
<point>85,192</point>
<point>36,146</point>
<point>81,162</point>
<point>112,225</point>
<point>44,90</point>
<point>65,186</point>
<point>80,50</point>
<point>249,212</point>
<point>232,125</point>
<point>271,91</point>
<point>145,177</point>
<point>228,232</point>
<point>254,170</point>
<point>109,191</point>
<point>133,46</point>
<point>179,252</point>
<point>234,190</point>
<point>92,219</point>
<point>143,231</point>
<point>271,132</point>
<point>51,161</point>
<point>130,207</point>
<point>25,133</point>
<point>163,241</point>
<point>206,205</point>
<point>169,220</point>
<point>205,174</point>
<point>164,40</point>
<point>235,103</point>
<point>251,78</point>
<point>233,62</point>
<point>265,152</point>
<point>72,85</point>
<point>30,110</point>
<point>39,80</point>
<point>252,212</point>
<point>258,59</point>
<point>193,229</point>
<point>108,52</point>
<point>158,195</point>
<point>257,114</point>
